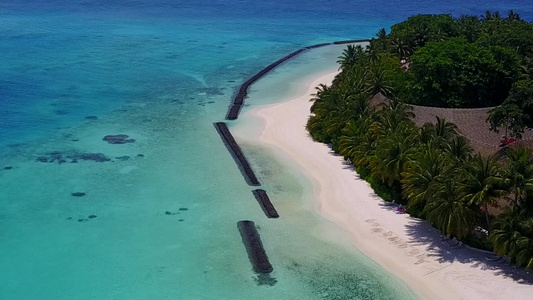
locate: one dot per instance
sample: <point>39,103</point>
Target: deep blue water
<point>62,60</point>
<point>162,72</point>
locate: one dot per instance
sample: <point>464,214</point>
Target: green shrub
<point>387,193</point>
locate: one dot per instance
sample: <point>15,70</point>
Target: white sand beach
<point>406,247</point>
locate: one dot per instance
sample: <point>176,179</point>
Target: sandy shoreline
<point>406,247</point>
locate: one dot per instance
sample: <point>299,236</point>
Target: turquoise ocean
<point>155,218</point>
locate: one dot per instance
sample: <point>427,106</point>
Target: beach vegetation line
<point>433,169</point>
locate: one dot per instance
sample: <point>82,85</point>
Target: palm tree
<point>422,173</point>
<point>519,175</point>
<point>445,130</point>
<point>442,132</point>
<point>470,27</point>
<point>378,82</point>
<point>353,137</point>
<point>320,100</point>
<point>381,35</point>
<point>382,39</point>
<point>527,68</point>
<point>524,256</point>
<point>364,151</point>
<point>372,51</point>
<point>393,117</point>
<point>505,233</point>
<point>427,133</point>
<point>340,112</point>
<point>319,90</point>
<point>491,16</point>
<point>448,211</point>
<point>483,183</point>
<point>352,80</point>
<point>393,151</point>
<point>350,56</point>
<point>316,123</point>
<point>490,23</point>
<point>512,16</point>
<point>512,235</point>
<point>459,149</point>
<point>438,35</point>
<point>422,35</point>
<point>525,244</point>
<point>401,48</point>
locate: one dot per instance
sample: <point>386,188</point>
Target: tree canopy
<point>456,73</point>
<point>516,112</point>
<point>468,61</point>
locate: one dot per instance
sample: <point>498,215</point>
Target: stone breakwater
<point>250,237</point>
<point>237,154</point>
<point>238,101</point>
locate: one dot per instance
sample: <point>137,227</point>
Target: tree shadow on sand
<point>438,247</point>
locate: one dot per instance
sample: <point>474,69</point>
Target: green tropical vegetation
<point>462,62</point>
<point>442,61</point>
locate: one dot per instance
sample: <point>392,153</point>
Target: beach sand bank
<point>407,247</point>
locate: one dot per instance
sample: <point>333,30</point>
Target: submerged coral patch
<point>118,139</point>
<point>73,157</point>
<point>265,279</point>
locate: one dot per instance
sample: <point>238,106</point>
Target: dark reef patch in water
<point>97,157</point>
<point>118,139</point>
<point>42,159</point>
<point>170,213</point>
<point>74,157</point>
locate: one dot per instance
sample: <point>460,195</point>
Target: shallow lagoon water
<point>162,225</point>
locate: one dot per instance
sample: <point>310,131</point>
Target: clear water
<point>162,72</point>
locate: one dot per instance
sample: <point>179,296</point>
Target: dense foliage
<point>516,113</point>
<point>431,169</point>
<point>468,61</point>
<point>456,73</point>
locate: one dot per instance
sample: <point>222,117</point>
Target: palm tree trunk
<point>487,217</point>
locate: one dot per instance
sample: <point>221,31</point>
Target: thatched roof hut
<point>471,123</point>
